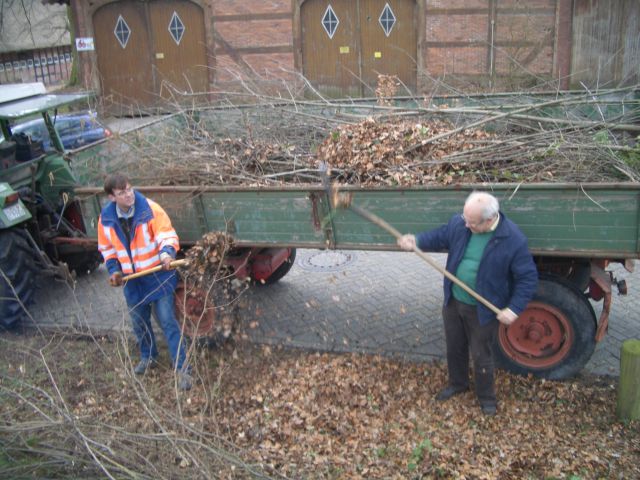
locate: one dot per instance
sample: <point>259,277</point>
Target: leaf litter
<point>295,414</point>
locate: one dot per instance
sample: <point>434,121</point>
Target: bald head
<point>480,209</point>
<point>486,203</point>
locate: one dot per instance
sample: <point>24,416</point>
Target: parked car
<point>76,130</point>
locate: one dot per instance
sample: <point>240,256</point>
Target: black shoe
<point>489,409</point>
<point>144,364</point>
<point>449,392</point>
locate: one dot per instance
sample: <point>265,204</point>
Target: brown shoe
<point>449,392</point>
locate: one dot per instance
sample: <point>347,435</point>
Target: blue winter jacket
<point>507,275</point>
<point>142,290</point>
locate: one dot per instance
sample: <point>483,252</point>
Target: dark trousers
<point>464,334</point>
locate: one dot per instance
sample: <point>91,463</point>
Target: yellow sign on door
<point>377,54</point>
<point>344,49</point>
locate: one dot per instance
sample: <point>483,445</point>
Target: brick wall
<point>483,44</point>
<point>254,39</point>
<point>474,44</point>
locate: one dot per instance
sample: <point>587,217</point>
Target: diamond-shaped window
<point>122,31</point>
<point>176,28</point>
<point>387,19</point>
<point>330,21</point>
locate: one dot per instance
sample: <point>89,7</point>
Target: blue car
<point>75,130</point>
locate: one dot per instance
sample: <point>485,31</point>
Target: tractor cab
<point>42,231</point>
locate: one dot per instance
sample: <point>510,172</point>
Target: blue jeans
<point>165,314</point>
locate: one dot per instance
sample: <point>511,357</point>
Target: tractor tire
<point>18,275</point>
<point>554,337</point>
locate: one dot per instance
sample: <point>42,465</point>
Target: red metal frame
<point>540,338</point>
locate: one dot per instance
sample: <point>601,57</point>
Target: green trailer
<point>574,231</point>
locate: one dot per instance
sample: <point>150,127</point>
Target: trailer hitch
<point>59,271</point>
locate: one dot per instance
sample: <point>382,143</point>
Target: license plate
<point>14,212</point>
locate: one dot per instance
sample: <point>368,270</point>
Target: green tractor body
<point>42,233</point>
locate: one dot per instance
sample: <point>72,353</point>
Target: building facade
<point>189,49</point>
<point>35,43</point>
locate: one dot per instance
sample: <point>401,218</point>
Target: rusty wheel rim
<point>196,318</point>
<point>540,338</point>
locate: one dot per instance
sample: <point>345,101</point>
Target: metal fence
<point>52,66</point>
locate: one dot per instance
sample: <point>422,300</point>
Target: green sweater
<point>468,269</point>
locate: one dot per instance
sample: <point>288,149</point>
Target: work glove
<point>115,280</point>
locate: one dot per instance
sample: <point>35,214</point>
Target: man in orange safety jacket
<point>135,234</point>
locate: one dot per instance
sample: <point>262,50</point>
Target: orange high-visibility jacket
<point>152,233</point>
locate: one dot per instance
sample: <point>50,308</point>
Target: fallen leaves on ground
<point>319,415</point>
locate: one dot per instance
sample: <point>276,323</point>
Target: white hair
<point>490,207</point>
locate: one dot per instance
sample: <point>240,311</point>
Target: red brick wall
<point>235,7</point>
<point>246,34</point>
<point>254,33</point>
<point>459,45</point>
<point>490,43</point>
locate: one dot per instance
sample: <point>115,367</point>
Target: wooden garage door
<point>180,53</point>
<point>124,62</point>
<point>389,41</point>
<point>346,44</point>
<point>330,59</point>
<point>149,51</point>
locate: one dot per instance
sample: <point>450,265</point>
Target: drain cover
<point>326,260</point>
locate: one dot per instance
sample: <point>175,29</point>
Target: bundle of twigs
<point>207,298</point>
<point>380,144</point>
<point>237,161</point>
<point>104,422</point>
<point>205,260</point>
<point>406,153</point>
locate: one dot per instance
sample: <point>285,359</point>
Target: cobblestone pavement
<point>341,301</point>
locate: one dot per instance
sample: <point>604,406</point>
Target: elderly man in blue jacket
<point>489,253</point>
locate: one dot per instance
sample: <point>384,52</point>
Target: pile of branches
<point>397,153</point>
<point>205,260</point>
<point>226,161</point>
<point>289,144</point>
<point>208,297</point>
<point>407,153</point>
<point>257,147</point>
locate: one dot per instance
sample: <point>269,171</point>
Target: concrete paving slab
<point>386,303</point>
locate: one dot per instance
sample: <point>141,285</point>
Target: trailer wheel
<point>207,317</point>
<point>554,337</point>
<point>282,270</point>
<point>18,268</point>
